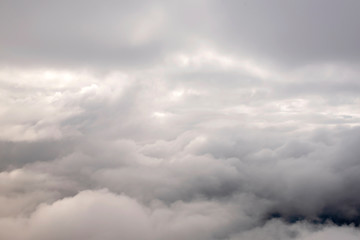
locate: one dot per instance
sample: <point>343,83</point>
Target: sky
<point>158,120</point>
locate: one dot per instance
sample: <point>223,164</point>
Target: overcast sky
<point>159,120</point>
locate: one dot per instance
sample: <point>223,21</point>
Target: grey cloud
<point>191,120</point>
<point>162,146</point>
<point>98,33</point>
<point>17,154</point>
<point>51,221</point>
<point>84,32</point>
<point>299,32</point>
<point>279,230</point>
<point>101,214</point>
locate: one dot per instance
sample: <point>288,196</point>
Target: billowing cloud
<point>192,120</point>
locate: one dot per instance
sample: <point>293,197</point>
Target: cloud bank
<point>179,120</point>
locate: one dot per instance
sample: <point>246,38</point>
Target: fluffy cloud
<point>101,214</point>
<point>206,120</point>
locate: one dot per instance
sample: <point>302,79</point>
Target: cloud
<point>298,32</point>
<point>101,214</point>
<point>131,34</point>
<point>191,120</point>
<point>85,32</point>
<point>279,230</point>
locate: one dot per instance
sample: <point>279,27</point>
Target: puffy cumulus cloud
<point>101,214</point>
<point>96,215</point>
<point>189,120</point>
<point>188,194</point>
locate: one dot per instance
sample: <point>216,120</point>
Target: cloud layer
<point>207,120</point>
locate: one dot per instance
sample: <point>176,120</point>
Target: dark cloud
<point>17,154</point>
